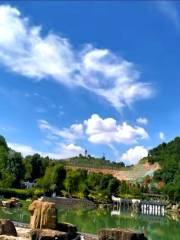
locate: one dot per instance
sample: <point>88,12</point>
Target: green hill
<point>168,156</point>
<point>92,162</point>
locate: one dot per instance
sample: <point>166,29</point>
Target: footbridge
<point>150,207</point>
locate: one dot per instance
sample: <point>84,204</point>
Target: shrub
<point>21,193</point>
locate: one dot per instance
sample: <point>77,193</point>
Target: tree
<point>53,179</point>
<point>113,187</point>
<point>3,142</point>
<point>75,181</point>
<point>15,167</point>
<point>11,168</point>
<point>58,177</point>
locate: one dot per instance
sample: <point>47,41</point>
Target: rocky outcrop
<point>120,234</point>
<point>7,228</point>
<point>48,234</point>
<point>43,215</point>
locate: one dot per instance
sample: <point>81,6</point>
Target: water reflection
<point>115,212</point>
<point>154,227</point>
<point>153,210</point>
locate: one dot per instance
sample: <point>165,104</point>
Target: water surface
<point>90,221</point>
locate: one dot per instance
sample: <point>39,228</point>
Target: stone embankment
<point>63,201</point>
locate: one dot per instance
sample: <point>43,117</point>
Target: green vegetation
<point>79,183</point>
<point>168,156</point>
<point>21,193</point>
<point>92,162</point>
<point>11,166</point>
<point>51,176</point>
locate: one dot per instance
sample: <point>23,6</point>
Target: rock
<point>6,204</point>
<point>70,229</point>
<point>7,228</point>
<point>43,215</point>
<point>48,234</point>
<point>23,233</point>
<point>175,207</point>
<point>88,236</point>
<point>120,234</point>
<point>5,237</point>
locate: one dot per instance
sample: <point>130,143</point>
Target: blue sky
<point>101,76</point>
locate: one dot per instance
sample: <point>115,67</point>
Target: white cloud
<point>142,120</point>
<point>112,77</point>
<point>72,133</point>
<point>51,56</point>
<point>169,9</point>
<point>133,155</point>
<point>66,151</point>
<point>62,151</point>
<point>161,136</point>
<point>24,149</point>
<point>97,130</point>
<point>108,131</point>
<point>35,56</point>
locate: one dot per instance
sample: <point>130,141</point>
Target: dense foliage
<point>11,166</point>
<point>47,176</point>
<point>168,156</point>
<point>79,183</point>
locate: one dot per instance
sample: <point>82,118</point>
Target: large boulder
<point>48,234</point>
<point>120,234</point>
<point>43,215</point>
<point>7,228</point>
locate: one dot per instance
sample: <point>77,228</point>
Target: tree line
<point>51,176</point>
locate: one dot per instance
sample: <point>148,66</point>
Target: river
<point>90,221</point>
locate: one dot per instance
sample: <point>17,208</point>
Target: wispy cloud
<point>98,131</point>
<point>169,9</point>
<point>161,136</point>
<point>40,109</point>
<point>142,120</point>
<point>51,56</point>
<point>62,151</point>
<point>75,131</point>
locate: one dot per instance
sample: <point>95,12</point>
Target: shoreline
<point>24,233</point>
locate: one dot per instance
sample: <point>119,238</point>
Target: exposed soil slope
<point>135,173</point>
